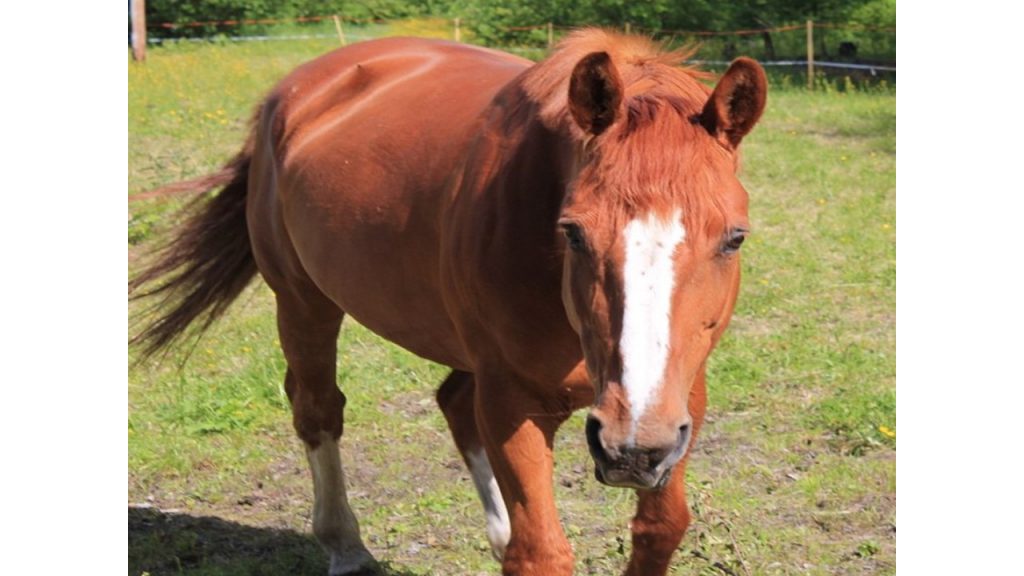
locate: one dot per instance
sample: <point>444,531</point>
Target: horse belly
<point>363,183</point>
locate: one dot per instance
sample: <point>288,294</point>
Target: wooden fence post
<point>627,27</point>
<point>810,55</point>
<point>551,35</point>
<point>139,30</point>
<point>458,33</point>
<point>337,26</point>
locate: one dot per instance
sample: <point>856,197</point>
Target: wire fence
<point>812,48</point>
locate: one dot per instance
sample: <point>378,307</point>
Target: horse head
<point>653,222</point>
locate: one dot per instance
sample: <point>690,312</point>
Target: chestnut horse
<point>561,235</point>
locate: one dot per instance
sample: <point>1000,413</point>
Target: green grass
<point>794,472</point>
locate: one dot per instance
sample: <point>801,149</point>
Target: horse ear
<point>595,93</point>
<point>737,102</point>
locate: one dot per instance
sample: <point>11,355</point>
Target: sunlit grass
<point>794,472</point>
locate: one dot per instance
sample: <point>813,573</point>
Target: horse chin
<point>620,478</point>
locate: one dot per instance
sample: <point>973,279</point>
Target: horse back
<point>356,158</point>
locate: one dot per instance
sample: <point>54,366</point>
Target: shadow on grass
<point>167,543</point>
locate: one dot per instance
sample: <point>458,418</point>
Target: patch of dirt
<point>419,511</point>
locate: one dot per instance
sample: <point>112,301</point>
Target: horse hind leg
<point>308,329</point>
<point>455,397</point>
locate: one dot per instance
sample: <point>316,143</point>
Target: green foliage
<point>658,14</point>
<point>493,21</point>
<point>871,43</point>
<point>880,13</point>
<point>181,12</point>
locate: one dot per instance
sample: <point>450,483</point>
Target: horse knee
<point>661,535</point>
<point>315,409</point>
<point>655,541</point>
<point>556,559</point>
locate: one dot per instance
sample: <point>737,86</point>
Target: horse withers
<point>562,234</point>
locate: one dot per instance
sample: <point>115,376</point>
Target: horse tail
<point>205,265</point>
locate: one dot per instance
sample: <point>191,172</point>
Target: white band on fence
<point>870,67</point>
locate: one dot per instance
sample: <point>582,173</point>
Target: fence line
<point>546,25</point>
<point>870,67</point>
<point>261,38</point>
<point>259,21</point>
<point>839,65</point>
<point>810,62</point>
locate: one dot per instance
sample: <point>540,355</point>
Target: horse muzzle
<point>633,466</point>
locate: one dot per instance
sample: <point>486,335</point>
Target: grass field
<point>794,473</point>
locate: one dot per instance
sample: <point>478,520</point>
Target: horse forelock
<point>657,161</point>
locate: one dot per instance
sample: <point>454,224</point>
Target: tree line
<point>502,23</point>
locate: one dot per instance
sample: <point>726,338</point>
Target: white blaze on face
<point>649,282</point>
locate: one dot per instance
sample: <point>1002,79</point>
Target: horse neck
<point>537,163</point>
<point>504,251</point>
<point>509,194</point>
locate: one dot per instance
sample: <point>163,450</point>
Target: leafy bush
<point>187,11</point>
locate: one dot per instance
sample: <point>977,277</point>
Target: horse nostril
<point>593,432</point>
<point>666,455</point>
<point>684,437</point>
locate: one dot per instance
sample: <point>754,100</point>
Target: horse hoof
<point>360,563</point>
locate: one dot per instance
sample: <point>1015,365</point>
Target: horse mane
<point>649,156</point>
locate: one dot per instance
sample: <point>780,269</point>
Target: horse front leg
<point>517,428</point>
<point>456,399</point>
<point>662,516</point>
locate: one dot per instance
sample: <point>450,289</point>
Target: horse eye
<point>574,236</point>
<point>733,240</point>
